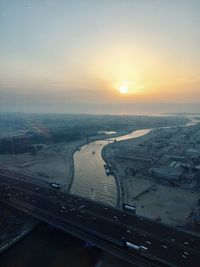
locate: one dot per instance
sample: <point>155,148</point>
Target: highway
<point>104,226</point>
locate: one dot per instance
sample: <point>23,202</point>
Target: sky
<point>75,55</point>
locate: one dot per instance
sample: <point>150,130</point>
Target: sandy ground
<point>52,164</point>
<point>171,204</point>
<point>134,187</point>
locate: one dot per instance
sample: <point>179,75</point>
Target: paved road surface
<point>163,243</point>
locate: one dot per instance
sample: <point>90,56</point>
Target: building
<point>167,173</point>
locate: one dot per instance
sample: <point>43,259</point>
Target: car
<point>132,246</point>
<point>183,256</point>
<point>136,247</point>
<point>143,248</point>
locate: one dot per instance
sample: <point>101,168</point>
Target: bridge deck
<point>105,226</point>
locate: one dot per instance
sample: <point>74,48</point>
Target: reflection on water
<point>90,179</point>
<point>192,122</point>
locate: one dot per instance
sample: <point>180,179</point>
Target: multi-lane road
<point>154,244</point>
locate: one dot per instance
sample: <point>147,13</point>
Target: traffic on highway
<point>134,236</point>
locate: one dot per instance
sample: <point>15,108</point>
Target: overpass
<point>133,238</point>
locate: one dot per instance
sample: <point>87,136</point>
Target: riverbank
<point>77,146</point>
<point>85,142</point>
<point>53,164</point>
<point>90,179</point>
<point>160,198</point>
<point>108,153</point>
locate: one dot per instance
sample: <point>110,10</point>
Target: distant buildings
<point>193,153</point>
<point>136,157</point>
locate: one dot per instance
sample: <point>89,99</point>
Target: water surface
<point>90,179</point>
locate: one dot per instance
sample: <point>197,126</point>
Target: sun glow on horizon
<point>123,88</point>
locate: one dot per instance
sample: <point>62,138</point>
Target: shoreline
<point>122,194</point>
<point>83,143</point>
<point>120,188</point>
<point>172,205</point>
<point>119,183</point>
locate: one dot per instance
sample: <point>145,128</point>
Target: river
<point>90,179</point>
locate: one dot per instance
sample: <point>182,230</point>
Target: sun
<point>123,89</point>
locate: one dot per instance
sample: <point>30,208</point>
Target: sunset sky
<point>87,52</point>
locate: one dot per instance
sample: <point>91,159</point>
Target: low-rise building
<point>165,172</point>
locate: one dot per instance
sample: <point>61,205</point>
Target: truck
<point>129,208</point>
<point>138,248</point>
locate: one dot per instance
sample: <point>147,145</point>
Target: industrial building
<point>171,174</point>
